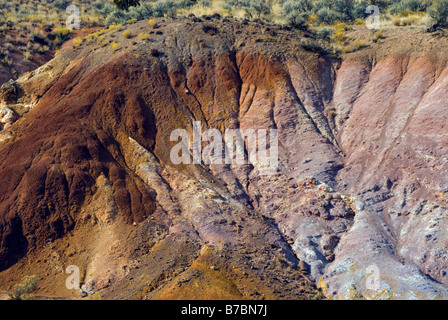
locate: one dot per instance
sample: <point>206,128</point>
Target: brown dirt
<point>89,180</point>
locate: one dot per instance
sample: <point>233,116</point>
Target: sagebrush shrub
<point>252,8</point>
<point>115,46</point>
<point>296,13</point>
<point>344,9</point>
<point>127,34</point>
<point>126,4</point>
<point>438,13</point>
<point>408,5</point>
<point>141,12</point>
<point>116,17</point>
<point>205,3</point>
<point>327,15</point>
<point>325,32</point>
<point>102,9</point>
<point>23,290</point>
<point>166,8</point>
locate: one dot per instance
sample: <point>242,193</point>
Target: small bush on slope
<point>23,290</point>
<point>438,13</point>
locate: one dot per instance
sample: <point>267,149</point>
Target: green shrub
<point>23,290</point>
<point>226,6</point>
<point>348,49</point>
<point>252,8</point>
<point>408,5</point>
<point>61,4</point>
<point>165,8</point>
<point>77,42</point>
<point>102,9</point>
<point>327,15</point>
<point>360,22</point>
<point>296,13</point>
<point>127,34</point>
<point>378,35</point>
<point>260,7</point>
<point>22,14</point>
<point>359,9</point>
<point>62,33</point>
<point>344,9</point>
<point>297,21</point>
<point>26,56</point>
<point>116,17</point>
<point>319,4</point>
<point>126,4</point>
<point>298,6</point>
<point>396,21</point>
<point>407,21</point>
<point>144,36</point>
<point>95,296</point>
<point>205,3</point>
<point>98,5</point>
<point>438,13</point>
<point>115,46</point>
<point>140,12</point>
<point>324,32</point>
<point>183,4</point>
<point>359,44</point>
<point>36,36</point>
<point>339,36</point>
<point>382,4</point>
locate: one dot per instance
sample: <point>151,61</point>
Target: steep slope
<point>89,180</point>
<point>90,159</point>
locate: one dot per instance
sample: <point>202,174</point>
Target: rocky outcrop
<point>359,184</point>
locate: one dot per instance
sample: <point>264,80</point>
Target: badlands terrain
<point>87,180</point>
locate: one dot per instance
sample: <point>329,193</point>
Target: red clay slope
<point>87,167</point>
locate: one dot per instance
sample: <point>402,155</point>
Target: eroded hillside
<point>87,178</point>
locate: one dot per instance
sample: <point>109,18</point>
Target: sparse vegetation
<point>378,35</point>
<point>95,296</point>
<point>126,4</point>
<point>127,34</point>
<point>438,13</point>
<point>104,43</point>
<point>297,12</point>
<point>77,42</point>
<point>403,6</point>
<point>339,35</point>
<point>23,290</point>
<point>252,8</point>
<point>143,36</point>
<point>42,30</point>
<point>334,26</point>
<point>115,46</point>
<point>36,15</point>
